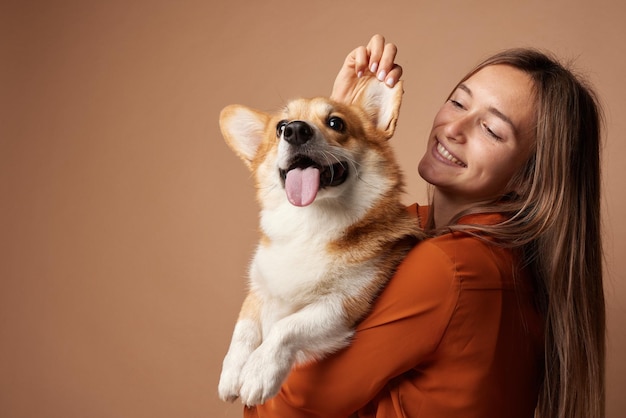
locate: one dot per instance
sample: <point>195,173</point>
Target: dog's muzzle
<point>305,177</point>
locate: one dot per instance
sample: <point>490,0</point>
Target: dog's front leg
<point>316,330</point>
<point>246,338</point>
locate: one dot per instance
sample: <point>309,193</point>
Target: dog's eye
<point>280,128</point>
<point>336,123</point>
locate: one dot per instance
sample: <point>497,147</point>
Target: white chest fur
<point>296,263</point>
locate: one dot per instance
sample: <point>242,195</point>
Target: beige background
<point>125,222</point>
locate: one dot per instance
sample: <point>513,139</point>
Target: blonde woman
<point>501,312</point>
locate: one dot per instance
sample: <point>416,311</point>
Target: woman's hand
<point>377,58</point>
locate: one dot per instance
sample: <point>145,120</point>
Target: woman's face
<point>482,135</point>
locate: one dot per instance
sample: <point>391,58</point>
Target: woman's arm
<point>405,326</point>
<point>378,58</point>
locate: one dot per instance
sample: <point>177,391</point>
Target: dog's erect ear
<point>380,102</point>
<point>243,129</point>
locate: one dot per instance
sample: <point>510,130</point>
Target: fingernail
<point>389,81</point>
<point>381,75</point>
<point>359,74</point>
<point>374,67</point>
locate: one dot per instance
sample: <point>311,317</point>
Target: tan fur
<point>251,307</point>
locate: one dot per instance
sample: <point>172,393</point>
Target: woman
<point>501,313</point>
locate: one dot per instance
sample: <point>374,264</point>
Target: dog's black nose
<point>298,132</point>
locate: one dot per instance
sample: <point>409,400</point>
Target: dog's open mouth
<point>304,178</point>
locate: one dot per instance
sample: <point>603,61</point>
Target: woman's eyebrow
<point>465,88</point>
<point>491,109</point>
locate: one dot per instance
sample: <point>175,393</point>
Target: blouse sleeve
<point>405,325</point>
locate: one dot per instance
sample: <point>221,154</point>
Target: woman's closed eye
<point>490,132</point>
<point>456,104</point>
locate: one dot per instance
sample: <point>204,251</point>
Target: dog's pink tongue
<point>302,185</point>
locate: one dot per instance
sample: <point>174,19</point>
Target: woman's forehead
<point>505,88</point>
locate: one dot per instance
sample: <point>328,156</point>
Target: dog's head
<point>315,149</point>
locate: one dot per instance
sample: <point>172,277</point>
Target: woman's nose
<point>456,129</point>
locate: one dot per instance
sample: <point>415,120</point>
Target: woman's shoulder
<point>454,244</point>
<point>455,252</point>
<point>464,257</point>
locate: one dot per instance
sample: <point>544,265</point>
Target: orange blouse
<point>454,334</point>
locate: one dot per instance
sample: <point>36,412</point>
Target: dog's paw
<point>230,379</point>
<point>228,388</point>
<point>246,337</point>
<point>263,375</point>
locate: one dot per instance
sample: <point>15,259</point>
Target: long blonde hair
<point>553,210</point>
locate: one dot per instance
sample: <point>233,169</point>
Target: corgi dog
<point>333,230</point>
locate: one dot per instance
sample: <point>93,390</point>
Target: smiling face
<point>481,136</point>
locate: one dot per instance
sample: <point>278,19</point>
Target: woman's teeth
<point>445,154</point>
